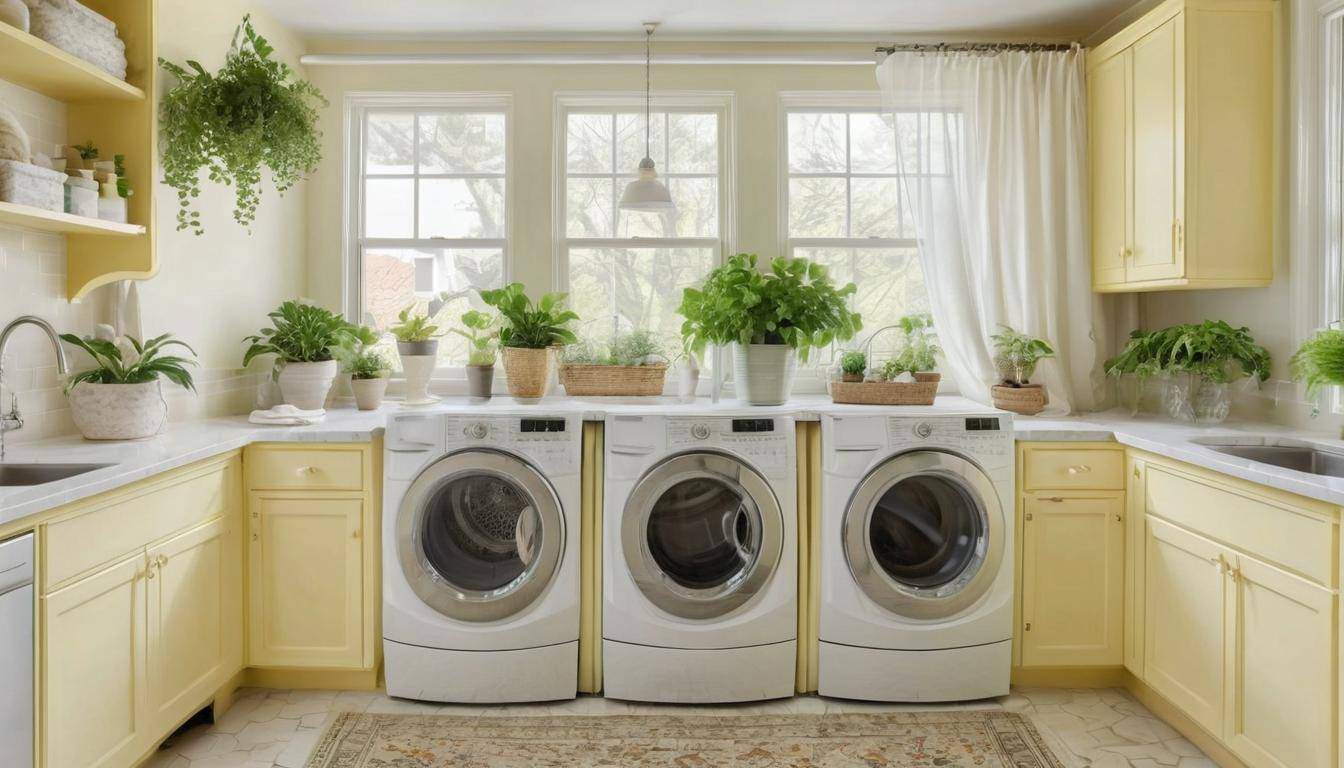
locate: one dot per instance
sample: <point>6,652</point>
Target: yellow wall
<point>533,89</point>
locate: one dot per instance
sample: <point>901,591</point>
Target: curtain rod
<point>973,47</point>
<point>571,59</point>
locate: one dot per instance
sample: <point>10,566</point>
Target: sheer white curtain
<point>993,153</point>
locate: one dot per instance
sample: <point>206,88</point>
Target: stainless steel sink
<point>37,474</point>
<point>1299,458</point>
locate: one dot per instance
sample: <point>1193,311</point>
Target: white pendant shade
<point>647,193</point>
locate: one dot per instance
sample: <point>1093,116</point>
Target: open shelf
<point>50,221</point>
<point>40,66</point>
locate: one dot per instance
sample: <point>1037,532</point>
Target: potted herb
<point>919,347</point>
<point>419,352</point>
<point>303,337</point>
<point>772,320</point>
<point>367,368</point>
<point>1320,362</point>
<point>478,328</point>
<point>526,335</point>
<point>853,366</point>
<point>253,112</point>
<point>1015,356</point>
<point>634,364</point>
<point>121,397</point>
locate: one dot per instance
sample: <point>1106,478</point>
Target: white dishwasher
<point>16,651</point>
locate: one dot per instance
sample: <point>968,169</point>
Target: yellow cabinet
<point>1182,109</point>
<point>306,572</point>
<point>1072,580</point>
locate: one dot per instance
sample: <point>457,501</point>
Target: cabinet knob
<point>1027,628</point>
<point>1078,469</point>
<point>306,471</point>
<point>1028,517</point>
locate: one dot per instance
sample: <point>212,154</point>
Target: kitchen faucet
<point>14,420</point>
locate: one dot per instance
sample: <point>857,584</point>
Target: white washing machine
<point>481,557</point>
<point>700,570</point>
<point>916,554</point>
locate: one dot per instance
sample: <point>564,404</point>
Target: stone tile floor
<point>1104,728</point>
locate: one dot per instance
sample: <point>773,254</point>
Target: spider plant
<point>126,360</point>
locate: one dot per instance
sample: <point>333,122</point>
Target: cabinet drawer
<point>127,522</point>
<point>1064,468</point>
<point>326,469</point>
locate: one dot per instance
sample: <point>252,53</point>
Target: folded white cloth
<point>287,416</point>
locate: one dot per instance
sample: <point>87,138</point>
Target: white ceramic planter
<point>119,411</point>
<point>418,361</point>
<point>305,385</point>
<point>369,392</point>
<point>763,373</point>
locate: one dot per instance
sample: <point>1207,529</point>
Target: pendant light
<point>647,193</point>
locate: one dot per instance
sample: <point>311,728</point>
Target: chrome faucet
<point>13,420</point>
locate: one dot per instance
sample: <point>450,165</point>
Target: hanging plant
<point>253,112</point>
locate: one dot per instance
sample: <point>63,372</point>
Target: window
<point>429,213</point>
<point>626,270</point>
<point>845,205</point>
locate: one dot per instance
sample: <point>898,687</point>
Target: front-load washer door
<point>924,534</point>
<point>479,535</point>
<point>701,534</point>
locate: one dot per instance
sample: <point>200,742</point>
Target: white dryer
<point>700,561</point>
<point>481,556</point>
<point>916,554</point>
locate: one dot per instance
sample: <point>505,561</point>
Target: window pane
<point>694,143</point>
<point>462,208</point>
<point>388,208</point>
<point>390,285</point>
<point>589,207</point>
<point>872,143</point>
<point>630,288</point>
<point>817,207</point>
<point>461,142</point>
<point>630,142</point>
<point>876,207</point>
<point>589,144</point>
<point>890,283</point>
<point>816,142</point>
<point>643,223</point>
<point>389,144</point>
<point>697,206</point>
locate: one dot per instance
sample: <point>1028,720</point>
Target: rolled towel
<point>287,416</point>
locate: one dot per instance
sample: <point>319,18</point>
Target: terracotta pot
<point>528,371</point>
<point>305,385</point>
<point>119,411</point>
<point>763,373</point>
<point>369,392</point>
<point>852,378</point>
<point>480,380</point>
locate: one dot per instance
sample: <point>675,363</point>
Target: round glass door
<point>479,535</point>
<point>923,534</point>
<point>702,534</point>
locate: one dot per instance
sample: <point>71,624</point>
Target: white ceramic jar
<point>305,385</point>
<point>118,411</point>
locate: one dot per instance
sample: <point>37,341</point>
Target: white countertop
<point>187,442</point>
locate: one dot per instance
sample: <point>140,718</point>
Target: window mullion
<point>415,170</point>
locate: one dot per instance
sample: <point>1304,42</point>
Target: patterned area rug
<point>963,739</point>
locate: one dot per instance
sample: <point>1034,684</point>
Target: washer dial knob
<point>476,430</point>
<point>923,429</point>
<point>700,431</point>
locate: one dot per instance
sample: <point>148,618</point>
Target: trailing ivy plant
<point>794,304</point>
<point>253,112</point>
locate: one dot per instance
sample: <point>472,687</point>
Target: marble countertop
<point>187,442</point>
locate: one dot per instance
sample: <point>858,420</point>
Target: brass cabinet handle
<point>306,471</point>
<point>1053,499</point>
<point>1027,517</point>
<point>1078,469</point>
<point>161,560</point>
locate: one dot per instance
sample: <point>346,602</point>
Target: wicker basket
<point>613,380</point>
<point>527,371</point>
<point>1027,400</point>
<point>922,391</point>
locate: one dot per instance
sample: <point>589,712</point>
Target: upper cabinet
<point>1181,133</point>
<point>117,116</point>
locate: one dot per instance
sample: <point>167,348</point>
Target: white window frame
<point>587,102</point>
<point>358,105</point>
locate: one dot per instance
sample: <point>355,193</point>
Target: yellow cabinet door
<point>1072,580</point>
<point>1108,127</point>
<point>1280,662</point>
<point>1158,64</point>
<point>1184,606</point>
<point>1136,520</point>
<point>93,670</point>
<point>193,607</point>
<point>305,580</point>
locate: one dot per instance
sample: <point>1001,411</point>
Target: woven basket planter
<point>922,391</point>
<point>527,371</point>
<point>1027,400</point>
<point>613,380</point>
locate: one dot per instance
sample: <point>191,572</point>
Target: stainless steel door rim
<point>539,563</point>
<point>759,552</point>
<point>969,583</point>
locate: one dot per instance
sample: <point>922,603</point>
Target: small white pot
<point>688,379</point>
<point>369,392</point>
<point>305,385</point>
<point>419,369</point>
<point>119,411</point>
<point>763,373</point>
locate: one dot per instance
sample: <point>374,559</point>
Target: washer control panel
<point>986,437</point>
<point>766,442</point>
<point>552,442</point>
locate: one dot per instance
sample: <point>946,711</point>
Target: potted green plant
<point>527,334</point>
<point>1319,362</point>
<point>1015,356</point>
<point>368,369</point>
<point>121,397</point>
<point>478,328</point>
<point>772,320</point>
<point>303,337</point>
<point>253,112</point>
<point>853,366</point>
<point>634,364</point>
<point>919,348</point>
<point>419,352</point>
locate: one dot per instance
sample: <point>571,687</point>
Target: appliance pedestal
<point>877,674</point>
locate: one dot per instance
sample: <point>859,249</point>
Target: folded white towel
<point>287,416</point>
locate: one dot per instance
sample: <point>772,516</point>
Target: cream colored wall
<point>533,89</point>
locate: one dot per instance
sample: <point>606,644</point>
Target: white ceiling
<point>866,20</point>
